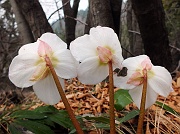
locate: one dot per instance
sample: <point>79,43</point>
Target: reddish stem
<point>64,99</point>
<point>111,99</point>
<point>142,107</point>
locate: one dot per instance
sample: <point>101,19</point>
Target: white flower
<point>158,80</point>
<point>29,67</point>
<point>94,51</point>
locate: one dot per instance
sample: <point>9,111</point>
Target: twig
<point>58,9</point>
<point>76,19</point>
<point>174,47</point>
<point>177,68</point>
<point>131,31</point>
<point>127,51</point>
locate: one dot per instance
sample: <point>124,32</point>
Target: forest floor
<point>94,100</point>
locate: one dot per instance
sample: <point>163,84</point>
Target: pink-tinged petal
<point>22,68</point>
<point>47,91</point>
<point>66,67</point>
<point>29,48</point>
<point>53,41</point>
<point>161,81</point>
<point>104,54</point>
<point>44,48</point>
<point>146,64</point>
<point>136,79</point>
<point>83,47</point>
<point>134,63</point>
<point>106,37</point>
<point>91,71</point>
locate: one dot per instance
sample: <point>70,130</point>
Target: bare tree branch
<point>76,19</point>
<point>58,9</point>
<point>175,47</point>
<point>134,32</point>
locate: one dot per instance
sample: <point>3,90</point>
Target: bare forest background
<point>150,27</point>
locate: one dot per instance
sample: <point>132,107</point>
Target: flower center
<point>105,55</point>
<point>137,78</point>
<point>42,69</point>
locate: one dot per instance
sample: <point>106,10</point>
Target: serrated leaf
<point>122,98</point>
<point>129,116</point>
<point>166,107</point>
<point>13,129</point>
<point>28,114</point>
<point>34,126</point>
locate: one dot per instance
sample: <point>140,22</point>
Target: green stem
<point>64,99</point>
<point>142,107</point>
<point>111,99</point>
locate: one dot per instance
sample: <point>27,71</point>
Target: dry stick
<point>142,107</point>
<point>64,99</point>
<point>111,99</point>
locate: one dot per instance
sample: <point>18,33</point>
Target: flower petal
<point>44,49</point>
<point>29,48</point>
<point>83,47</point>
<point>151,97</point>
<point>91,71</point>
<point>161,82</point>
<point>133,63</point>
<point>136,95</point>
<point>106,36</point>
<point>47,91</point>
<point>53,41</point>
<point>22,68</point>
<point>66,67</point>
<point>117,61</point>
<point>121,82</point>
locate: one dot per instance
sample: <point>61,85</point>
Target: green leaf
<point>28,114</point>
<point>122,98</point>
<point>62,118</point>
<point>102,126</point>
<point>129,116</point>
<point>166,107</point>
<point>34,126</point>
<point>13,129</point>
<point>98,119</point>
<point>47,122</point>
<point>46,109</point>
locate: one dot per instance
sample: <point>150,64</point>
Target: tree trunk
<point>151,19</point>
<point>116,14</point>
<point>26,35</point>
<point>135,40</point>
<point>129,26</point>
<point>104,13</point>
<point>101,13</point>
<point>70,23</point>
<point>35,16</point>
